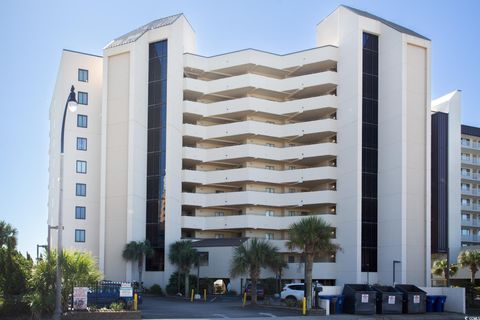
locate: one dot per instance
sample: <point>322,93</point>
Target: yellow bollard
<point>244,298</point>
<point>304,309</point>
<point>193,290</point>
<point>135,302</point>
<point>205,295</point>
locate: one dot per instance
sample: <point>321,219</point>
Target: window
<point>82,121</point>
<point>465,216</point>
<point>270,190</point>
<point>270,167</point>
<point>80,212</point>
<point>465,142</point>
<point>81,190</point>
<point>465,202</point>
<point>465,172</point>
<point>81,166</point>
<point>269,213</point>
<point>291,167</point>
<point>465,186</point>
<point>203,259</point>
<point>219,214</point>
<point>269,236</point>
<point>270,144</point>
<point>291,190</point>
<point>81,144</point>
<point>79,235</point>
<point>291,213</point>
<point>82,98</point>
<point>219,236</point>
<point>465,232</point>
<point>291,259</point>
<point>83,75</point>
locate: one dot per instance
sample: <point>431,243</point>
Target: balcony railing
<point>471,176</point>
<point>473,161</point>
<point>470,207</point>
<point>471,223</point>
<point>471,192</point>
<point>470,238</point>
<point>471,145</point>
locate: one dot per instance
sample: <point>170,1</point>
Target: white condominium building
<point>244,144</point>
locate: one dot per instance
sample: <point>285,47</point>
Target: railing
<point>471,145</point>
<point>475,161</point>
<point>470,238</point>
<point>471,207</point>
<point>471,176</point>
<point>470,223</point>
<point>471,192</point>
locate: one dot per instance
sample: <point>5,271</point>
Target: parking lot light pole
<point>71,104</point>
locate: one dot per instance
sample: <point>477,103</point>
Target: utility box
<point>389,300</point>
<point>414,298</point>
<point>359,299</point>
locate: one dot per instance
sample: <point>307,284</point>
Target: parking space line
<point>221,315</point>
<point>267,314</point>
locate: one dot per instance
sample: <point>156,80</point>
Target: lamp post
<point>72,105</point>
<point>394,262</point>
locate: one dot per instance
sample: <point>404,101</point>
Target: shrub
<point>117,306</point>
<point>156,290</point>
<point>172,286</point>
<point>269,285</point>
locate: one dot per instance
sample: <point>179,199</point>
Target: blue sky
<point>33,33</point>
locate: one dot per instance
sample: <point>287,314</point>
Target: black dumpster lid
<point>409,288</point>
<point>385,289</point>
<point>359,287</point>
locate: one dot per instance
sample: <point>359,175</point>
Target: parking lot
<point>231,308</point>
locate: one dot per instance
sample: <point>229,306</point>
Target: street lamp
<point>394,262</point>
<point>71,104</point>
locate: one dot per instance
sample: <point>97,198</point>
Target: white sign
<point>364,298</point>
<point>416,298</point>
<point>80,296</point>
<point>391,299</point>
<point>126,292</point>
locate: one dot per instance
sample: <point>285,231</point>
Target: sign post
<point>80,298</point>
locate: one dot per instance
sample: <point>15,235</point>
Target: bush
<point>156,290</point>
<point>117,306</point>
<point>172,285</point>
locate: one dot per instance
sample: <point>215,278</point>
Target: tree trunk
<point>178,280</point>
<point>254,274</point>
<point>187,284</point>
<point>308,279</point>
<point>472,279</point>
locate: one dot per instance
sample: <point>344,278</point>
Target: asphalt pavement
<point>222,307</point>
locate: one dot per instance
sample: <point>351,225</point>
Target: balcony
<point>471,161</point>
<point>259,175</point>
<point>246,151</point>
<point>238,108</point>
<point>471,192</point>
<point>250,221</point>
<point>234,62</point>
<point>258,198</point>
<point>470,238</point>
<point>243,128</point>
<point>471,176</point>
<point>471,207</point>
<point>471,145</point>
<point>471,223</point>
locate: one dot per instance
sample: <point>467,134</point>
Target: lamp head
<point>72,101</point>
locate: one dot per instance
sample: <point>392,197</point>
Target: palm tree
<point>313,236</point>
<point>250,257</point>
<point>277,267</point>
<point>135,251</point>
<point>183,255</point>
<point>470,259</point>
<point>440,266</point>
<point>8,236</point>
